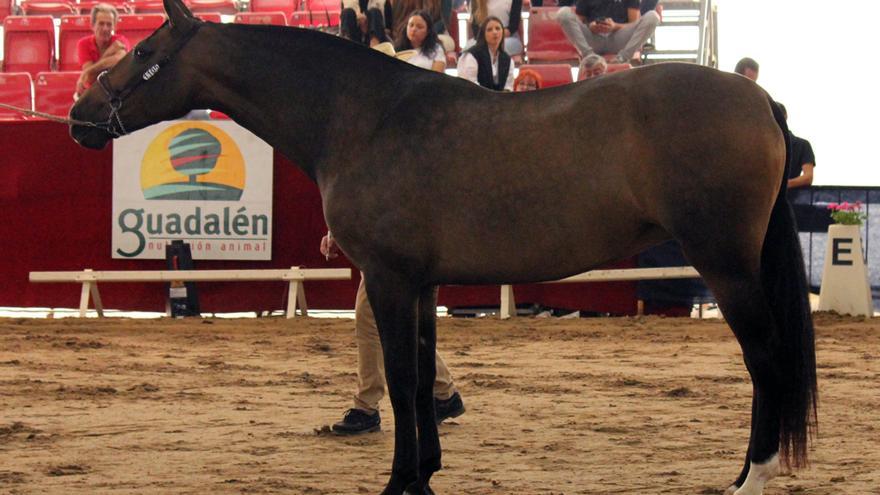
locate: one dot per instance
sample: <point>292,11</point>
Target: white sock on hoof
<point>759,475</point>
<point>731,490</point>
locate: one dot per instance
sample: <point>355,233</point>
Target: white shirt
<point>426,62</point>
<point>468,69</point>
<point>500,9</point>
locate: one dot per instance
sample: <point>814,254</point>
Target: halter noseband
<point>114,125</point>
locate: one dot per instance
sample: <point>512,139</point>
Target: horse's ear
<point>179,16</point>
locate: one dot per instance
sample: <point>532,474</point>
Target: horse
<point>428,179</point>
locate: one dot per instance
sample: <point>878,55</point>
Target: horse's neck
<point>289,89</point>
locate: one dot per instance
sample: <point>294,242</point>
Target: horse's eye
<point>140,53</point>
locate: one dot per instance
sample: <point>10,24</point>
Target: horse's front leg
<point>393,300</point>
<point>429,440</point>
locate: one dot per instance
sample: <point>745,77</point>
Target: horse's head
<point>150,84</point>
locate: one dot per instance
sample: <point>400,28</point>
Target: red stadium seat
<point>28,44</point>
<point>53,92</point>
<point>15,89</point>
<point>5,9</point>
<point>210,16</point>
<point>302,18</point>
<point>274,18</point>
<point>43,7</point>
<point>227,7</point>
<point>85,6</point>
<point>137,27</point>
<point>322,5</point>
<point>286,6</point>
<point>551,74</point>
<point>325,18</point>
<point>73,28</point>
<point>146,6</point>
<point>547,42</point>
<point>612,68</point>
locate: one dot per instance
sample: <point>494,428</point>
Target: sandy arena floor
<point>588,406</point>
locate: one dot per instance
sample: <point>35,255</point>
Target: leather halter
<point>114,125</point>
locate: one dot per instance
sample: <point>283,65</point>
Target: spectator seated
<point>28,44</point>
<point>15,89</point>
<point>551,74</point>
<point>274,18</point>
<point>53,92</point>
<point>547,41</point>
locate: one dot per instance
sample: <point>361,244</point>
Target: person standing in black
<point>802,160</point>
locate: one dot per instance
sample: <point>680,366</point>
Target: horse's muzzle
<point>89,137</point>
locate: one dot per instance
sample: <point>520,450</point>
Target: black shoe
<point>356,422</point>
<point>452,407</point>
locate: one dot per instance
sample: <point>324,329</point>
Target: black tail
<point>785,283</point>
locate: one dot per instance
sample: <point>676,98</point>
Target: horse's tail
<point>785,283</point>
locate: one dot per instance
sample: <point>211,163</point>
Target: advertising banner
<point>208,183</point>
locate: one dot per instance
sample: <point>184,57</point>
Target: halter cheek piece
<point>114,125</point>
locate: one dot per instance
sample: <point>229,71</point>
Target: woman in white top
<point>509,12</point>
<point>426,50</point>
<point>486,63</point>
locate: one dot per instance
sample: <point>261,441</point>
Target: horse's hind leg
<point>394,300</point>
<point>429,440</point>
<point>737,286</point>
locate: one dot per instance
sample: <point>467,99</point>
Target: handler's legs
<point>627,41</point>
<point>585,42</point>
<point>371,376</point>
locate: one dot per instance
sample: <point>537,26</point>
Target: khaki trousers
<point>371,366</point>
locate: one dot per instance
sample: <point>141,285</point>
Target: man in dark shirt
<point>607,27</point>
<point>801,162</point>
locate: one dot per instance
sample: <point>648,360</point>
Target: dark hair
<point>481,36</point>
<point>746,63</point>
<point>376,25</point>
<point>349,28</point>
<point>429,45</point>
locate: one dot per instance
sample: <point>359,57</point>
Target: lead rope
<point>53,118</point>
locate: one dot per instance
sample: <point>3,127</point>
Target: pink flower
<point>845,206</point>
<point>833,206</point>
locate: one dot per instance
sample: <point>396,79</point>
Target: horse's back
<point>517,187</point>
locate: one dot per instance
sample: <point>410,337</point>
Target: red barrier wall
<point>55,199</point>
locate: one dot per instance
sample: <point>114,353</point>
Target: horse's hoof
<point>414,489</point>
<point>731,490</point>
<point>759,475</point>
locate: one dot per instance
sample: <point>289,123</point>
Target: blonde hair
<point>105,8</point>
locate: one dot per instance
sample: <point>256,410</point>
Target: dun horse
<point>428,179</point>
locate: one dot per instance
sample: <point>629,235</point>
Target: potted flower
<point>847,213</point>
